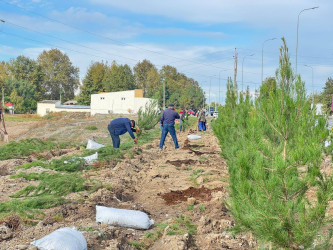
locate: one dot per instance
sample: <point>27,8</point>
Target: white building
<point>47,106</point>
<point>319,109</point>
<point>121,102</point>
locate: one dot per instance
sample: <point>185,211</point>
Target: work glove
<point>137,130</point>
<point>135,140</point>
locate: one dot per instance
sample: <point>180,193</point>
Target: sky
<point>199,38</point>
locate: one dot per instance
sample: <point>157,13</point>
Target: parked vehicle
<point>216,114</point>
<point>211,110</point>
<point>190,112</point>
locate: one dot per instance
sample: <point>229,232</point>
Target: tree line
<point>52,76</point>
<point>179,89</point>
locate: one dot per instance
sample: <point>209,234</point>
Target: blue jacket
<point>169,116</point>
<point>121,126</point>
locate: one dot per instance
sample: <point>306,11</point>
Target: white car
<point>216,114</point>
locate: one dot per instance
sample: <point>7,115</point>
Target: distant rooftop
<point>72,107</point>
<point>49,101</point>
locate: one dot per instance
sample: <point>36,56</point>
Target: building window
<point>123,98</point>
<point>102,98</point>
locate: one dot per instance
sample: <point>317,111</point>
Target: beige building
<point>47,106</point>
<point>121,102</point>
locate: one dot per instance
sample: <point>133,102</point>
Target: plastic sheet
<point>94,145</point>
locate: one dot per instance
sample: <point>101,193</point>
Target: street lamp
<point>262,59</point>
<point>297,30</point>
<point>242,68</point>
<point>203,100</point>
<point>312,82</point>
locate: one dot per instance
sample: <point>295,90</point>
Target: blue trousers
<point>115,138</point>
<point>182,126</point>
<point>168,128</point>
<point>202,126</point>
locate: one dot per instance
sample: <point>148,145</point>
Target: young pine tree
<point>274,150</point>
<point>148,117</point>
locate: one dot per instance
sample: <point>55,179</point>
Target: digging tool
<point>3,131</point>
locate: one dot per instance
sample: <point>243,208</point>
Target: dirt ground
<point>189,182</point>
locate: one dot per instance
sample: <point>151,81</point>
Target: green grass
<point>138,245</point>
<point>48,193</point>
<point>26,147</point>
<point>182,225</point>
<point>190,207</point>
<point>203,159</point>
<point>201,207</point>
<point>195,175</point>
<point>30,207</point>
<point>23,118</point>
<point>92,127</point>
<point>53,187</point>
<point>66,164</point>
<point>51,184</point>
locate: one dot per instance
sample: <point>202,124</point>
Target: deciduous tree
<point>93,82</point>
<point>59,74</point>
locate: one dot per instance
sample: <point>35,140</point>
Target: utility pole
<point>3,96</point>
<point>235,70</point>
<point>3,87</point>
<point>163,95</point>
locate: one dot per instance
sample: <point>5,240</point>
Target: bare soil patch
<point>203,194</point>
<point>179,163</point>
<point>143,180</point>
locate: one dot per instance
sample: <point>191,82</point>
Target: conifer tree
<point>149,116</point>
<point>274,150</point>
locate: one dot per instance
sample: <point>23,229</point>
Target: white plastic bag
<point>62,239</point>
<point>123,217</point>
<point>194,137</point>
<point>91,158</point>
<point>94,145</point>
<point>327,143</point>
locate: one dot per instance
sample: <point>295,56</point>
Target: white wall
<point>122,102</point>
<point>45,108</point>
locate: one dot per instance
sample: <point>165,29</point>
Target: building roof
<point>72,107</point>
<point>122,91</point>
<point>49,101</point>
<point>9,104</point>
<point>70,102</point>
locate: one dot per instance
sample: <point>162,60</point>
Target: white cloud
<point>213,11</point>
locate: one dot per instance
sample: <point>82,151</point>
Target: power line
<point>104,37</point>
<point>61,39</point>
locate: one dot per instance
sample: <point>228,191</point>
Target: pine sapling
<point>148,117</point>
<point>274,150</point>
